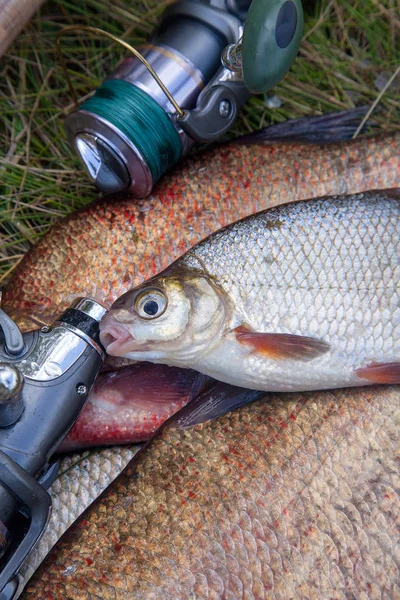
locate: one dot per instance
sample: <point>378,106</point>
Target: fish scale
<point>82,477</point>
<point>294,497</point>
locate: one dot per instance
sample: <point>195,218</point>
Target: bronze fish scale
<point>293,496</point>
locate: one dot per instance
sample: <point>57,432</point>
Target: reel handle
<point>271,39</point>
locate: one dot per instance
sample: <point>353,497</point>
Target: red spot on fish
<point>247,184</point>
<point>85,523</point>
<point>292,417</point>
<point>192,495</point>
<point>284,425</point>
<point>118,547</point>
<point>89,561</point>
<point>387,496</point>
<point>191,459</point>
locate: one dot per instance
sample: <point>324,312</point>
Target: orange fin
<point>380,372</point>
<point>281,345</point>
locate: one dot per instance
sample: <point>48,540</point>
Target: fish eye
<point>151,304</point>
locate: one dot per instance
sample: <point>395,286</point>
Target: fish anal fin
<point>212,403</point>
<point>380,373</point>
<point>281,345</point>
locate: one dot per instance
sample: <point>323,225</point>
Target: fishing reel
<point>45,378</point>
<point>186,86</point>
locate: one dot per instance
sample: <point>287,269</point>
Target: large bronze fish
<point>293,496</point>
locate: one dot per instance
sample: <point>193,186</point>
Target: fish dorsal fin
<point>331,127</point>
<point>281,345</point>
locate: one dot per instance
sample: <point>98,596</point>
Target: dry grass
<point>350,51</point>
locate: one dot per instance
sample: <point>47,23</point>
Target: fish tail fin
<point>332,127</point>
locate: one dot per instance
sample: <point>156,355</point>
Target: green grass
<point>349,52</point>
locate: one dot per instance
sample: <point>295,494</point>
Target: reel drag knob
<point>271,39</point>
<point>11,386</point>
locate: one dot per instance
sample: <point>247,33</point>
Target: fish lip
<point>114,336</point>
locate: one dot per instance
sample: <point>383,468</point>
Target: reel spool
<point>159,102</point>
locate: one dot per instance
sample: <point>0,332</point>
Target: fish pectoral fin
<point>380,373</point>
<point>281,345</point>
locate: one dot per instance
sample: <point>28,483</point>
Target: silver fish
<point>304,296</point>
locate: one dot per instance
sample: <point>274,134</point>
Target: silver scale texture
<point>328,269</point>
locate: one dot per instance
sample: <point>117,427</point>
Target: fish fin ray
<point>281,345</point>
<point>333,127</point>
<point>214,402</point>
<point>388,373</point>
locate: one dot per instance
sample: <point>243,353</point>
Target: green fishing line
<point>141,119</point>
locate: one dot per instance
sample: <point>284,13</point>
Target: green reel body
<point>271,40</point>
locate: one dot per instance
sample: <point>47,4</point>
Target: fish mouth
<point>114,337</point>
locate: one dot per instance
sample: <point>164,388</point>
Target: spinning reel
<point>185,86</point>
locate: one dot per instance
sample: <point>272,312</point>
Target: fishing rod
<point>186,85</point>
<point>45,379</point>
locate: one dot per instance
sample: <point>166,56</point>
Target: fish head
<point>169,319</point>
